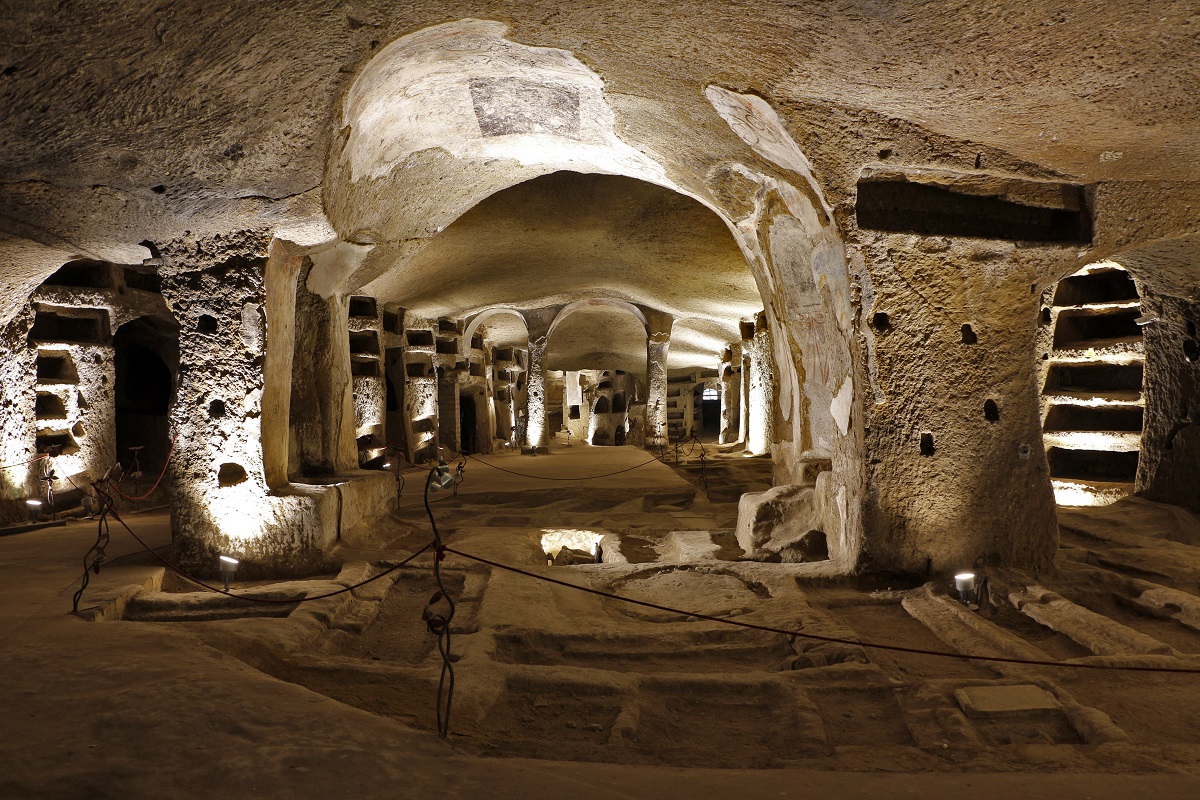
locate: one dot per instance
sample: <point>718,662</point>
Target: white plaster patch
<point>757,124</point>
<point>252,327</point>
<point>463,87</point>
<point>252,403</point>
<point>332,266</point>
<point>841,405</point>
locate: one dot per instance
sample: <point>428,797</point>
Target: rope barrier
<point>817,637</point>
<point>548,478</point>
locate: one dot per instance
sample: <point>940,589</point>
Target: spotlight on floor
<point>34,507</point>
<point>581,541</point>
<point>970,591</point>
<point>442,477</point>
<point>228,570</point>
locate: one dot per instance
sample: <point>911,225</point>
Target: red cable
<point>23,463</point>
<point>834,640</point>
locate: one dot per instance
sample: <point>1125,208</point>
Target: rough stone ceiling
<point>567,236</point>
<point>128,122</point>
<point>505,330</point>
<point>598,337</point>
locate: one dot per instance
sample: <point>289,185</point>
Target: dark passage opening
<point>710,416</point>
<point>467,421</point>
<point>1097,465</point>
<point>906,207</point>
<point>145,352</point>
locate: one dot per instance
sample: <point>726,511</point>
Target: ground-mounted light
<point>34,507</point>
<point>441,477</point>
<point>555,539</point>
<point>228,567</point>
<point>970,589</point>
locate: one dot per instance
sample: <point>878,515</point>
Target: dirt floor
<point>174,692</point>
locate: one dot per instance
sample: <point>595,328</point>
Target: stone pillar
<point>953,478</point>
<point>218,468</point>
<point>760,390</point>
<point>731,395</point>
<point>658,343</point>
<point>322,403</point>
<point>18,370</point>
<point>282,271</point>
<point>538,324</point>
<point>1170,450</point>
<point>448,410</point>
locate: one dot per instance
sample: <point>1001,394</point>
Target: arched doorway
<point>558,216</point>
<point>145,360</point>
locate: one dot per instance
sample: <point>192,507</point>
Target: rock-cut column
<point>538,323</point>
<point>658,343</point>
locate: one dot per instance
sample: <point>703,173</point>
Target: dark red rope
<point>813,636</point>
<point>42,457</point>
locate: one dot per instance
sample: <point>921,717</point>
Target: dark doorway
<point>145,358</point>
<point>395,434</point>
<point>467,424</point>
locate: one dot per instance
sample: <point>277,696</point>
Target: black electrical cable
<point>817,637</point>
<point>107,510</point>
<point>439,624</point>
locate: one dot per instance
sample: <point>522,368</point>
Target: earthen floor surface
<point>565,693</point>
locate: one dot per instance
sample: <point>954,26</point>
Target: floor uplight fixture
<point>970,589</point>
<point>34,507</point>
<point>228,570</point>
<point>441,477</point>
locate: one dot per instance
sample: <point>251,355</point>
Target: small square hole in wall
<point>419,338</point>
<point>363,307</point>
<point>364,343</point>
<point>366,369</point>
<point>84,327</point>
<point>50,406</point>
<point>56,368</point>
<point>927,444</point>
<point>83,274</point>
